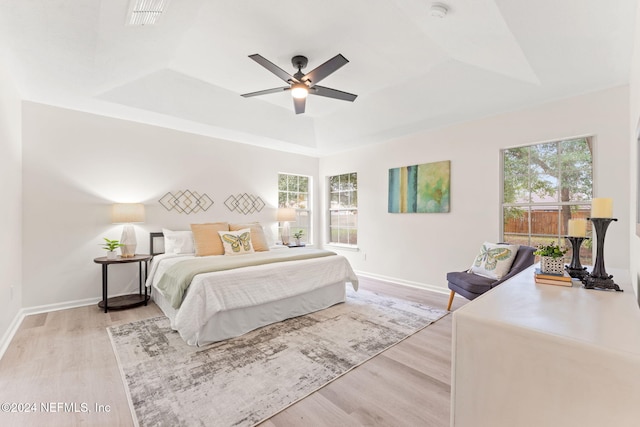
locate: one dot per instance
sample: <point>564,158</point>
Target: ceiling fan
<point>302,85</point>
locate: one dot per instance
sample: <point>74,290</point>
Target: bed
<point>247,292</point>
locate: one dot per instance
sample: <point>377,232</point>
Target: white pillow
<point>178,242</point>
<point>236,242</point>
<point>494,260</point>
<point>269,235</point>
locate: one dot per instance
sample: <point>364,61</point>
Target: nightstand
<point>124,301</point>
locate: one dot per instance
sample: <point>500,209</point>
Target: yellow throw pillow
<point>206,238</point>
<point>494,260</point>
<point>258,238</point>
<point>236,242</point>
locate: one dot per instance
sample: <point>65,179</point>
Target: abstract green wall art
<point>420,188</point>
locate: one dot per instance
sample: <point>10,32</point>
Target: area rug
<point>245,380</point>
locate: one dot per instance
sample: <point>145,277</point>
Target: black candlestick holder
<point>598,278</point>
<point>575,269</point>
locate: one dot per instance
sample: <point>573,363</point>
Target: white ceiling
<point>411,71</point>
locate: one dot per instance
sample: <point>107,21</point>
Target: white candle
<point>602,208</point>
<point>578,227</point>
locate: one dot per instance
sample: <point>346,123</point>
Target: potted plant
<point>298,235</point>
<point>111,246</point>
<point>551,258</point>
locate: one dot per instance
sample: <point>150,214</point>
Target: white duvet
<point>212,293</point>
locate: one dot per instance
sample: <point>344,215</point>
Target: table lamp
<point>127,214</point>
<point>285,215</point>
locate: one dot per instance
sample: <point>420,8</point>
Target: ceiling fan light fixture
<point>301,84</point>
<point>299,90</point>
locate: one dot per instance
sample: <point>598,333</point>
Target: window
<point>545,185</point>
<point>343,209</point>
<point>294,191</point>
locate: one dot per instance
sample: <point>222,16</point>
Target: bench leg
<point>450,300</point>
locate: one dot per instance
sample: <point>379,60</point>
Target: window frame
<point>531,205</point>
<point>300,212</point>
<point>350,229</point>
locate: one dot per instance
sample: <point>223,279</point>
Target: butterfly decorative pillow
<point>494,260</point>
<point>236,242</point>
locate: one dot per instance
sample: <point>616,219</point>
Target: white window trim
<point>343,246</point>
<point>329,243</point>
<point>309,238</point>
<point>559,203</point>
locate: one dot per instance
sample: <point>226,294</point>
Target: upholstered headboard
<point>155,238</point>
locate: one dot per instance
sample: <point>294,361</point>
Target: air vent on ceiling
<point>146,12</point>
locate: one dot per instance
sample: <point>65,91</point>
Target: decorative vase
<point>552,265</point>
<point>285,233</point>
<point>297,242</point>
<point>111,255</point>
<point>128,241</point>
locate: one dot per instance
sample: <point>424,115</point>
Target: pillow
<point>258,237</point>
<point>269,235</point>
<point>494,260</point>
<point>236,242</point>
<point>178,242</point>
<point>206,238</point>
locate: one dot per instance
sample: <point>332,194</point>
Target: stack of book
<point>552,279</point>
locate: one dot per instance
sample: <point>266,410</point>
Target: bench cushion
<point>470,282</point>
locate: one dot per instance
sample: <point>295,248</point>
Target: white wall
<point>634,128</point>
<point>10,207</point>
<point>77,164</point>
<point>420,249</point>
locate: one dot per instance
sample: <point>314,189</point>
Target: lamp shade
<point>127,213</point>
<point>286,214</point>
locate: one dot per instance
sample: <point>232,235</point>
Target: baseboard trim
<point>403,282</point>
<point>60,306</point>
<point>17,320</point>
<point>11,331</point>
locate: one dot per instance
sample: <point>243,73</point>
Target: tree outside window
<point>294,191</point>
<point>343,209</point>
<point>545,185</point>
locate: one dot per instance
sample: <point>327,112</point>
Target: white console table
<point>545,356</point>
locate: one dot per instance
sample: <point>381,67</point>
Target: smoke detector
<point>438,10</point>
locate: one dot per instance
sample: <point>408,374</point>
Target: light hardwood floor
<point>65,357</point>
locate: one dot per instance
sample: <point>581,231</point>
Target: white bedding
<point>284,286</point>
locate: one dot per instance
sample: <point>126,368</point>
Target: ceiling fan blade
<point>298,104</point>
<point>265,92</point>
<point>332,93</point>
<point>322,71</point>
<point>273,68</point>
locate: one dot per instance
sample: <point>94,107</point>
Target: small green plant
<point>298,234</point>
<point>551,250</point>
<point>111,245</point>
